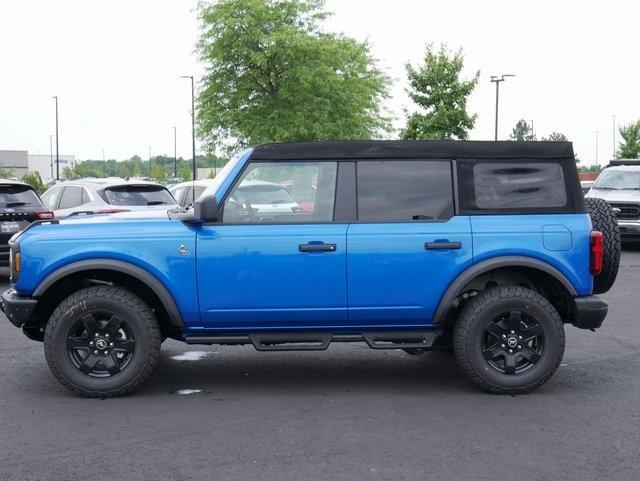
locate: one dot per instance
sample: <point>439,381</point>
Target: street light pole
<point>57,145</point>
<point>497,81</point>
<point>175,154</point>
<point>193,124</point>
<point>614,138</point>
<point>51,153</point>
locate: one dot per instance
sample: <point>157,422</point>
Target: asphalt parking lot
<point>347,413</point>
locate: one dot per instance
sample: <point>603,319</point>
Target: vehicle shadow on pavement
<point>347,368</point>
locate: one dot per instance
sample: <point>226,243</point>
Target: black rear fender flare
<point>455,289</point>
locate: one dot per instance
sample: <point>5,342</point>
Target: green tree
<point>158,172</point>
<point>556,137</point>
<point>71,173</point>
<point>274,74</point>
<point>629,148</point>
<point>5,173</point>
<point>522,132</point>
<point>441,95</point>
<point>34,179</point>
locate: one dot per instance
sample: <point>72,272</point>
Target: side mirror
<point>205,209</point>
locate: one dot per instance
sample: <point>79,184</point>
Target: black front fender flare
<point>139,273</point>
<point>455,289</point>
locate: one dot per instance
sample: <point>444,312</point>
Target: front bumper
<point>629,228</point>
<point>17,308</point>
<point>589,312</point>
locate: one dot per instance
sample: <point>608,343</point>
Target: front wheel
<point>509,340</point>
<point>102,341</point>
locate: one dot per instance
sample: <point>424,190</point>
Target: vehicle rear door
<point>407,245</point>
<point>263,268</point>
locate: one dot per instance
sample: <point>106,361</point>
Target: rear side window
<point>513,186</point>
<point>137,195</point>
<point>71,197</point>
<point>404,191</point>
<point>18,196</point>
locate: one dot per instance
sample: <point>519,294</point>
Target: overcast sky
<point>116,65</point>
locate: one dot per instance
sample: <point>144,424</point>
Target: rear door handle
<point>317,247</point>
<point>432,246</point>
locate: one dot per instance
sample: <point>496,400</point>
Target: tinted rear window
<point>138,195</point>
<point>18,196</point>
<point>513,186</point>
<point>404,190</point>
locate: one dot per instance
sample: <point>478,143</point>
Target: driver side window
<point>283,193</point>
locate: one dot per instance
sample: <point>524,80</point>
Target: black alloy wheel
<point>100,344</point>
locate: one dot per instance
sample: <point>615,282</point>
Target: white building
<point>14,161</point>
<point>47,170</point>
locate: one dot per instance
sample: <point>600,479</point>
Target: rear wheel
<point>102,341</point>
<point>603,219</point>
<point>509,340</point>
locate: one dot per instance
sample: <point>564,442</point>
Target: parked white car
<point>104,196</point>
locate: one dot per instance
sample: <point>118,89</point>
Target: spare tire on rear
<point>603,219</point>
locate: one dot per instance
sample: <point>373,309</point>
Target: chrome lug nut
<point>511,351</point>
<point>519,337</point>
<point>512,332</point>
<point>95,352</point>
<point>111,344</point>
<point>502,345</point>
<point>91,343</point>
<point>519,347</point>
<point>95,335</point>
<point>504,336</point>
<point>106,335</point>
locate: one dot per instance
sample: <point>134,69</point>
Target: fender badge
<point>183,250</point>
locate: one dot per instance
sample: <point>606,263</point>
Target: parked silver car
<point>104,196</point>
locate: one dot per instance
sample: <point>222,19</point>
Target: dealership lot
<point>349,413</point>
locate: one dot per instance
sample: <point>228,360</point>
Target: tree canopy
<point>522,132</point>
<point>629,147</point>
<point>273,74</point>
<point>556,137</point>
<point>441,96</point>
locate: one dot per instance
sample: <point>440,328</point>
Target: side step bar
<point>319,341</point>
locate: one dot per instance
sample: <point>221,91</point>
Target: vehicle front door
<point>263,267</point>
<point>407,245</point>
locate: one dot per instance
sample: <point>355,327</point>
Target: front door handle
<point>444,245</point>
<point>317,247</point>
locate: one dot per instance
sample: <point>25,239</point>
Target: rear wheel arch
<point>507,270</point>
<point>72,277</point>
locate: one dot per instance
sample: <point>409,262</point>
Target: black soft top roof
<point>413,149</point>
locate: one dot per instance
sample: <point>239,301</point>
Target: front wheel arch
<point>64,281</point>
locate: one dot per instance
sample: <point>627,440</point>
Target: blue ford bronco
<point>484,248</point>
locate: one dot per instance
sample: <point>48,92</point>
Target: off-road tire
<point>470,328</point>
<point>603,219</point>
<point>124,304</point>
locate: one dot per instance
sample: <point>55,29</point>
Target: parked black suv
<point>19,206</point>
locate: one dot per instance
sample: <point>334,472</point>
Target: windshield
<point>265,194</point>
<point>618,180</point>
<point>138,195</point>
<point>18,196</point>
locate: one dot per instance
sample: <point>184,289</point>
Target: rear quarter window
<point>515,186</point>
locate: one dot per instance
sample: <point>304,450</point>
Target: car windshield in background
<point>138,195</point>
<point>618,180</point>
<point>17,196</point>
<point>266,194</point>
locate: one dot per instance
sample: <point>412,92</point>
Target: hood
<point>615,195</point>
<point>160,214</point>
